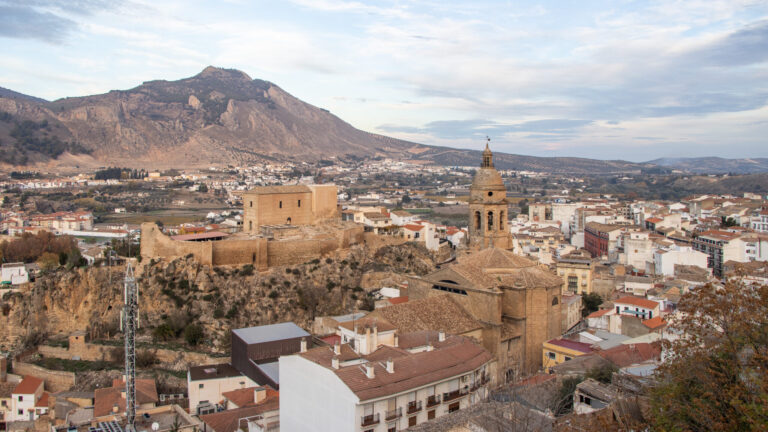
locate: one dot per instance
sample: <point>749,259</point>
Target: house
<point>207,385</point>
<point>255,350</point>
<point>111,400</point>
<point>637,306</point>
<point>28,400</point>
<point>638,285</point>
<point>556,351</point>
<point>261,416</point>
<point>591,395</point>
<point>402,217</point>
<point>418,378</point>
<point>15,273</point>
<point>576,270</point>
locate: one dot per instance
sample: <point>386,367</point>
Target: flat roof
<point>216,371</point>
<point>269,333</point>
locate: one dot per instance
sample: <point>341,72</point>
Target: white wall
<point>313,398</point>
<point>213,388</point>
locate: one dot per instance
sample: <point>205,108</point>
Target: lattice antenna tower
<point>129,322</point>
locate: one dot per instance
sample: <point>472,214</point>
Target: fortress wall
<point>260,252</point>
<point>55,381</point>
<point>375,241</point>
<point>231,252</point>
<point>156,244</point>
<point>324,202</point>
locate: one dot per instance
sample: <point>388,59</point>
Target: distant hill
<point>714,165</point>
<point>215,118</point>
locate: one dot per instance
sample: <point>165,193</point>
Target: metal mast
<point>129,325</point>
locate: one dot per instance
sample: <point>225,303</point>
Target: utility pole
<point>129,324</point>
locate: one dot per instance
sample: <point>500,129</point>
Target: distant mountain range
<point>223,117</point>
<point>714,165</point>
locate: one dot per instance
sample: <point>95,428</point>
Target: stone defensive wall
<point>261,252</point>
<point>55,381</point>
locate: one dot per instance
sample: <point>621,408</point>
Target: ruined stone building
<point>288,205</point>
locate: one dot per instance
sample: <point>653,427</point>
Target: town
<point>422,297</point>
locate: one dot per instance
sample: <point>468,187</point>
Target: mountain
<point>218,117</point>
<point>714,165</point>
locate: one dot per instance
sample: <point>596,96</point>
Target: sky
<point>631,80</point>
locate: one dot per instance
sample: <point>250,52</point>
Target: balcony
<point>414,407</point>
<point>433,400</point>
<point>393,414</point>
<point>369,420</point>
<point>449,396</point>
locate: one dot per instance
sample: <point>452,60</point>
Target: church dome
<point>488,178</point>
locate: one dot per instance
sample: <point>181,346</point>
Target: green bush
<point>193,334</point>
<point>273,294</point>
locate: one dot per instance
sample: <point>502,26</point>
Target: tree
<point>202,188</point>
<point>728,222</point>
<point>48,261</point>
<point>714,376</point>
<point>592,302</point>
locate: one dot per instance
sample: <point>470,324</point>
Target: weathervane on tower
<point>487,155</point>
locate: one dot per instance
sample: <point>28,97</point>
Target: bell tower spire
<point>487,155</point>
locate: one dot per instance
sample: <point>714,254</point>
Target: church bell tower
<point>488,207</point>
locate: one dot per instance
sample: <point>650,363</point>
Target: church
<point>516,300</point>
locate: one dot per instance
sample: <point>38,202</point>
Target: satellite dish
<point>155,426</point>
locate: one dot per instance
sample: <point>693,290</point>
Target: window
<point>490,194</point>
<point>200,386</point>
<point>21,398</point>
<point>411,421</point>
<point>430,415</point>
<point>250,225</point>
<point>573,283</point>
<point>567,358</point>
<point>299,203</point>
<point>551,355</point>
<point>490,221</point>
<point>251,203</point>
<point>392,427</point>
<point>554,301</point>
<point>453,407</point>
<point>280,204</point>
<point>21,412</point>
<point>477,220</point>
<point>288,221</point>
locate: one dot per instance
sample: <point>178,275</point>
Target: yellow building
<point>558,351</point>
<point>576,271</point>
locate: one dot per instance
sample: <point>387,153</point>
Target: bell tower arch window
<point>477,220</point>
<point>490,221</point>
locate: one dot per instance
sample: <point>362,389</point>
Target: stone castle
<point>282,225</point>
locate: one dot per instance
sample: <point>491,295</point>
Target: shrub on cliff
<point>193,334</point>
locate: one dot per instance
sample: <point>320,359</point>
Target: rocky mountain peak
<point>221,73</point>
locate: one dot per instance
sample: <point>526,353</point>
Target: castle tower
<point>488,207</point>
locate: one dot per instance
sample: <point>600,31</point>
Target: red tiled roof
<point>245,396</point>
<point>573,345</point>
<point>106,398</point>
<point>229,421</point>
<point>637,301</point>
<point>654,220</point>
<point>413,227</point>
<point>43,401</point>
<point>598,314</point>
<point>654,322</point>
<point>28,385</point>
<point>398,300</point>
<point>625,355</point>
<point>207,235</point>
<point>331,339</point>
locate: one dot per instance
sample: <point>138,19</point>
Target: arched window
<point>299,203</point>
<point>554,301</point>
<point>501,221</point>
<point>477,220</point>
<point>288,221</point>
<point>490,221</point>
<point>250,225</point>
<point>280,204</point>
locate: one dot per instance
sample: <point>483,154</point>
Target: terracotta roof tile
<point>625,355</point>
<point>654,322</point>
<point>598,314</point>
<point>28,385</point>
<point>228,421</point>
<point>106,398</point>
<point>439,312</point>
<point>43,401</point>
<point>637,301</point>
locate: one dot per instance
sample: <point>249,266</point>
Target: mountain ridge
<point>219,117</point>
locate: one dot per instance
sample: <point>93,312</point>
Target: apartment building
<point>419,377</point>
<point>576,270</point>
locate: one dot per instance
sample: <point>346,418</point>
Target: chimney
<point>397,340</point>
<point>115,408</point>
<point>441,336</point>
<point>390,366</point>
<point>337,348</point>
<point>303,345</point>
<point>369,371</point>
<point>375,337</point>
<point>335,362</point>
<point>259,394</point>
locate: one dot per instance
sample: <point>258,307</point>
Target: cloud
<point>449,129</point>
<point>24,22</point>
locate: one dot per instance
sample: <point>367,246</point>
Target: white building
<point>15,273</point>
<point>28,400</point>
<point>206,384</point>
<point>664,260</point>
<point>759,222</point>
<point>421,376</point>
<point>402,217</point>
<point>637,306</point>
<point>638,249</point>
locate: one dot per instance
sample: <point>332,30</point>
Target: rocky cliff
<point>180,293</point>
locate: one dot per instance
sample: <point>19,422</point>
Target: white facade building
<point>664,260</point>
<point>206,384</point>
